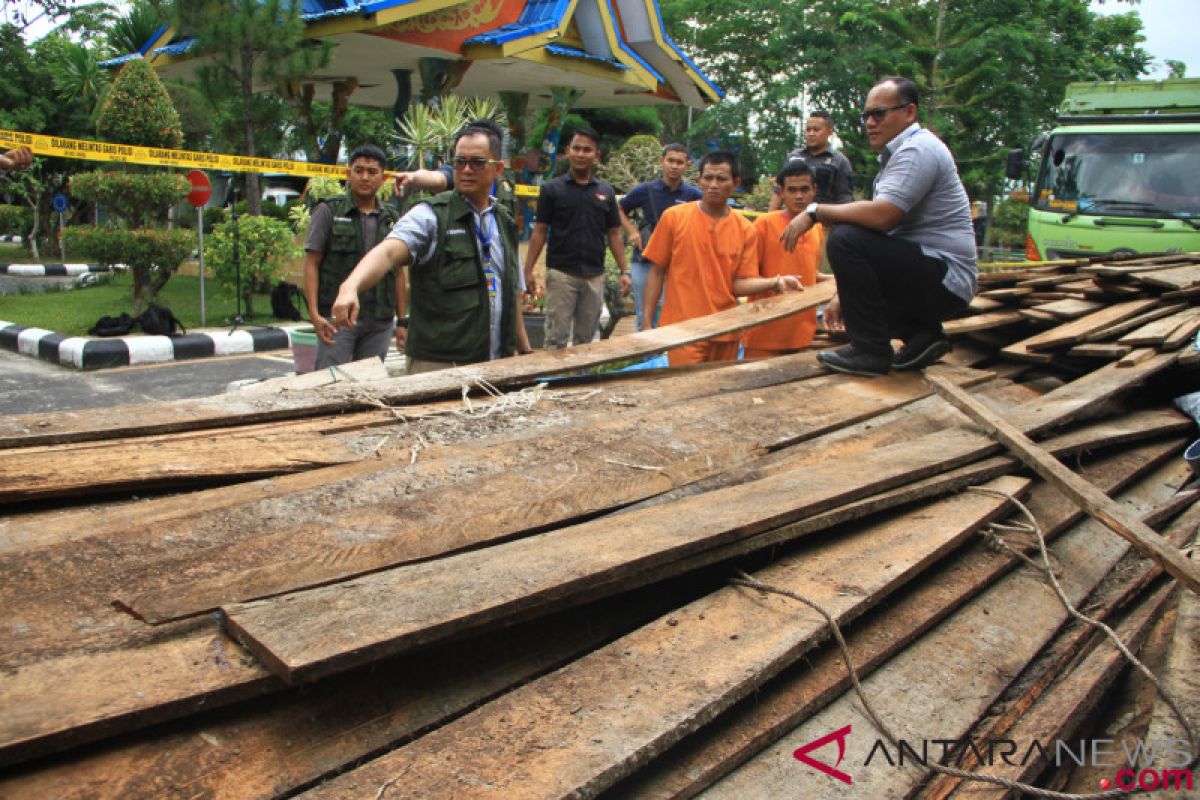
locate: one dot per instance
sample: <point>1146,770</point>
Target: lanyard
<point>485,238</point>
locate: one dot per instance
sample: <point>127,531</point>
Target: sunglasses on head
<point>878,114</point>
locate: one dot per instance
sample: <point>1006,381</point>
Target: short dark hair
<point>587,133</point>
<point>821,113</point>
<point>717,157</point>
<point>369,151</point>
<point>675,147</point>
<point>906,90</point>
<point>484,127</point>
<point>793,168</point>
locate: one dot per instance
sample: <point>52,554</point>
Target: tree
<point>991,72</point>
<point>137,110</point>
<point>245,43</point>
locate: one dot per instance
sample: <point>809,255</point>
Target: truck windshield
<point>1121,174</point>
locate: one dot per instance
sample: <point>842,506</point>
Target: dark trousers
<point>889,288</point>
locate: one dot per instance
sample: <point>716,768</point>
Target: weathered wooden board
<point>1153,334</point>
<point>574,732</point>
<point>1109,352</point>
<point>1185,333</point>
<point>1091,499</point>
<point>969,658</point>
<point>1005,294</point>
<point>612,463</point>
<point>1076,331</point>
<point>1039,316</point>
<point>979,322</point>
<point>1129,580</point>
<point>1059,714</point>
<point>1173,277</point>
<point>1133,323</point>
<point>194,516</point>
<point>1180,676</point>
<point>1135,357</point>
<point>981,304</point>
<point>234,409</point>
<point>269,748</point>
<point>1128,268</point>
<point>1070,309</point>
<point>329,629</point>
<point>798,693</point>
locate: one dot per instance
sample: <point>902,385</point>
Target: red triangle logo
<point>801,754</point>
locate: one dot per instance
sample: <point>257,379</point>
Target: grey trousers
<point>369,337</point>
<point>572,308</point>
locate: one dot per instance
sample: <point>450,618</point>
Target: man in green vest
<point>464,266</point>
<point>342,230</point>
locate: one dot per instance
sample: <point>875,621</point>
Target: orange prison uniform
<point>790,333</point>
<point>701,256</point>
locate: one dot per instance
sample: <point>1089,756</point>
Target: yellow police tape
<point>84,149</point>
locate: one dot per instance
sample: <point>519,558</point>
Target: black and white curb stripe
<point>54,270</point>
<point>83,353</point>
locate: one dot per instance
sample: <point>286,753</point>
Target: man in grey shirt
<point>904,260</point>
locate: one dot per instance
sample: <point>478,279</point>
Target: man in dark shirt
<point>653,198</point>
<point>578,213</point>
<point>832,171</point>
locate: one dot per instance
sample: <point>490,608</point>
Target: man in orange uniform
<point>797,186</point>
<point>707,255</point>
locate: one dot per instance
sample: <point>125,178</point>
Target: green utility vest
<point>346,248</point>
<point>449,310</point>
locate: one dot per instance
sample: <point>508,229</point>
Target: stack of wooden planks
<point>483,583</point>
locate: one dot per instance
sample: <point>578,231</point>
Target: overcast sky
<point>1169,28</point>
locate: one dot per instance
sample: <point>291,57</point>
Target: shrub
<point>634,162</point>
<point>138,199</point>
<point>758,198</point>
<point>265,246</point>
<point>152,254</point>
<point>1009,223</point>
<point>15,220</point>
<point>137,110</point>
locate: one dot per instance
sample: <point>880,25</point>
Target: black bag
<point>287,301</point>
<point>158,320</point>
<point>112,326</point>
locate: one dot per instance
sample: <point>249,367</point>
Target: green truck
<point>1120,174</point>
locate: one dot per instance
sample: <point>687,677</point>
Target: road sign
<point>59,202</point>
<point>201,188</point>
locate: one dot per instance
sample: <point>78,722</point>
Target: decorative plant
<point>265,246</point>
<point>136,110</point>
<point>636,161</point>
<point>426,134</point>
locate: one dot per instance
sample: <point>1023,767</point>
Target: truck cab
<point>1121,172</point>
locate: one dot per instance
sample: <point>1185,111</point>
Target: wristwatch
<point>811,210</point>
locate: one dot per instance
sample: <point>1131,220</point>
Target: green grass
<point>15,254</point>
<point>73,312</point>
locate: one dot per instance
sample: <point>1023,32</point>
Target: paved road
<point>29,385</point>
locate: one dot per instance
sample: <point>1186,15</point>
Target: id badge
<point>493,280</point>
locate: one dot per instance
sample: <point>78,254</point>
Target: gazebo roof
<point>615,51</point>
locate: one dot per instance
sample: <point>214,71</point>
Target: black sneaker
<point>852,361</point>
<point>923,349</point>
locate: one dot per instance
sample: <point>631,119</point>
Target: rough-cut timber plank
<point>1005,294</point>
<point>1154,333</point>
<point>577,730</point>
<point>307,634</point>
<point>982,304</point>
<point>232,409</point>
<point>1184,333</point>
<point>267,749</point>
<point>192,516</point>
<point>1129,268</point>
<point>1059,714</point>
<point>938,687</point>
<point>678,445</point>
<point>1135,357</point>
<point>1095,502</point>
<point>801,691</point>
<point>1180,676</point>
<point>329,629</point>
<point>1077,330</point>
<point>1070,309</point>
<point>1173,278</point>
<point>979,322</point>
<point>1038,316</point>
<point>121,678</point>
<point>1130,579</point>
<point>1133,323</point>
<point>1109,352</point>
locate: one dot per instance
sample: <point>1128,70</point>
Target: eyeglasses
<point>878,114</point>
<point>476,163</point>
